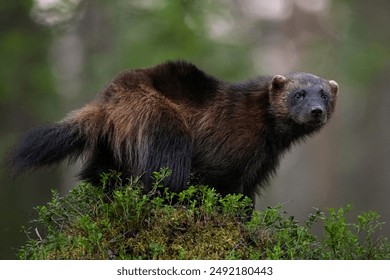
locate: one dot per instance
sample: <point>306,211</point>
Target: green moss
<point>197,223</point>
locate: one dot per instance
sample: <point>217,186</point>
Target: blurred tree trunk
<point>73,56</point>
<point>367,69</point>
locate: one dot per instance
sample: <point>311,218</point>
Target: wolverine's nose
<point>316,112</point>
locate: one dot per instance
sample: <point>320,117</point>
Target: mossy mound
<point>90,223</point>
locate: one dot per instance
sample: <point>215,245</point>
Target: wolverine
<point>231,135</point>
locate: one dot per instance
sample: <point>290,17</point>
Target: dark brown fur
<point>231,135</point>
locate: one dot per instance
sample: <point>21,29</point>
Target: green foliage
<point>198,223</point>
<point>354,240</point>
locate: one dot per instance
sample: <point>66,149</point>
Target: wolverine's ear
<point>278,82</point>
<point>334,87</point>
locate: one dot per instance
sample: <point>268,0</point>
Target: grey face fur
<point>309,99</point>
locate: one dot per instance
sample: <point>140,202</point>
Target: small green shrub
<point>198,223</point>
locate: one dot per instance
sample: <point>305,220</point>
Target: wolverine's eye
<point>300,94</point>
<point>324,96</point>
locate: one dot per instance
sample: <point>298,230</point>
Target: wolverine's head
<point>304,98</point>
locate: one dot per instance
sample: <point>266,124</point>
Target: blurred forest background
<point>56,55</point>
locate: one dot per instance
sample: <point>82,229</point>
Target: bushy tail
<point>47,145</point>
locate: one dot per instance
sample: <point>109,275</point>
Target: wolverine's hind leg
<point>142,132</point>
<point>165,141</point>
<point>147,132</point>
